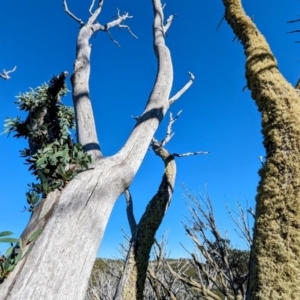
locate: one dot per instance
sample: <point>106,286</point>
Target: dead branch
<point>242,223</point>
<point>168,23</point>
<point>220,267</point>
<point>5,74</point>
<point>78,20</point>
<point>170,134</point>
<point>96,13</point>
<point>129,211</point>
<point>183,90</point>
<point>190,153</point>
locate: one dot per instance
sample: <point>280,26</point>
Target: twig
<point>169,22</point>
<point>96,13</point>
<point>170,134</point>
<point>293,31</point>
<point>112,39</point>
<point>183,90</point>
<point>129,210</point>
<point>190,153</point>
<point>91,7</point>
<point>293,21</point>
<point>65,5</point>
<point>128,28</point>
<point>220,23</point>
<point>5,74</point>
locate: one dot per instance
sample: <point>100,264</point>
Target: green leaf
<point>11,268</point>
<point>41,162</point>
<point>85,165</point>
<point>34,235</point>
<point>18,257</point>
<point>8,240</point>
<point>41,176</point>
<point>20,243</point>
<point>6,265</point>
<point>35,199</point>
<point>5,233</point>
<point>9,251</point>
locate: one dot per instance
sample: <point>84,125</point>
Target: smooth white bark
<point>60,263</point>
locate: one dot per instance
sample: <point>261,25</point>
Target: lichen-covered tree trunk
<point>60,263</point>
<point>132,282</point>
<point>275,262</point>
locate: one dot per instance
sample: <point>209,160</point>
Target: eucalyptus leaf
<point>5,233</point>
<point>8,240</point>
<point>9,251</point>
<point>18,257</point>
<point>34,235</point>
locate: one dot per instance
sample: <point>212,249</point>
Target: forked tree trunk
<point>275,262</point>
<point>60,263</point>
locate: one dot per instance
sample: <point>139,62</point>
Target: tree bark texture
<point>60,263</point>
<point>132,282</point>
<point>275,262</point>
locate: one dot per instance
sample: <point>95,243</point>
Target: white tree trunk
<point>60,263</point>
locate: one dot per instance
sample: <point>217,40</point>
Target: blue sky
<point>218,116</point>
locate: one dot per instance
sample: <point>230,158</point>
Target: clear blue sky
<point>218,116</point>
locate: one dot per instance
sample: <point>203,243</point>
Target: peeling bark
<point>275,263</point>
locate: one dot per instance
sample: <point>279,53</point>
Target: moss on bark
<point>275,267</point>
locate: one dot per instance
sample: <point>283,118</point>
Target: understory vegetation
<point>214,270</point>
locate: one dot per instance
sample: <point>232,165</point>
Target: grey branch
<point>242,222</point>
<point>96,13</point>
<point>5,74</point>
<point>190,153</point>
<point>261,159</point>
<point>128,28</point>
<point>65,5</point>
<point>129,211</point>
<point>112,39</point>
<point>183,90</point>
<point>170,134</point>
<point>168,23</point>
<point>91,7</point>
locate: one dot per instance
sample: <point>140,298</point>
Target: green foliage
<point>52,156</point>
<point>14,253</point>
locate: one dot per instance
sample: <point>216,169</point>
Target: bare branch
<point>129,210</point>
<point>170,134</point>
<point>190,153</point>
<point>293,21</point>
<point>223,18</point>
<point>221,267</point>
<point>169,22</point>
<point>65,5</point>
<point>96,13</point>
<point>5,74</point>
<point>118,21</point>
<point>183,90</point>
<point>261,159</point>
<point>128,28</point>
<point>91,7</point>
<point>294,31</point>
<point>112,39</point>
<point>242,222</point>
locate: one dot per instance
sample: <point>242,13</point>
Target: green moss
<point>276,269</point>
